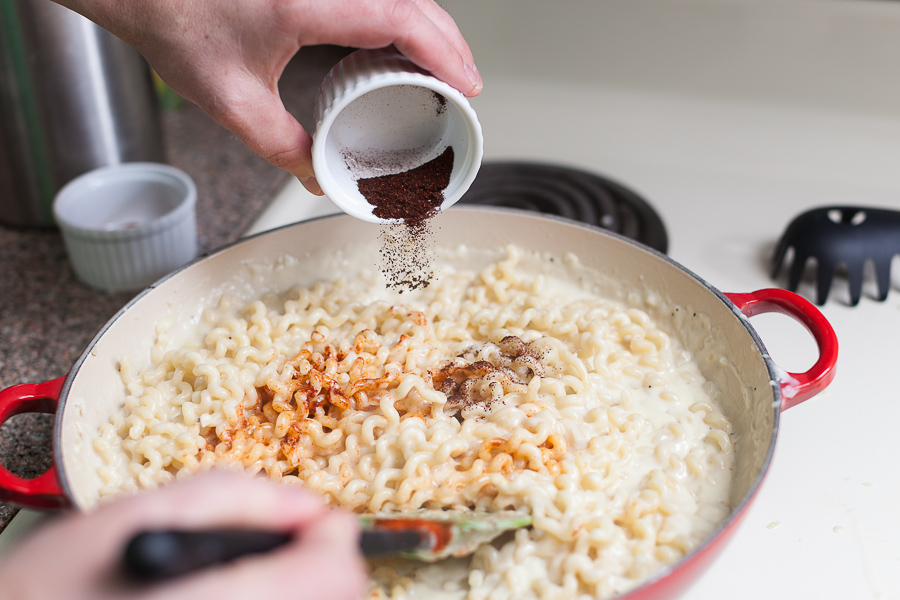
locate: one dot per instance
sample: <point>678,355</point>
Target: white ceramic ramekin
<point>127,225</point>
<point>378,109</point>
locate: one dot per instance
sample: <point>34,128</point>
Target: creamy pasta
<point>509,386</point>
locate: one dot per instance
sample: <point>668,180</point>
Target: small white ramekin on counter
<point>127,225</point>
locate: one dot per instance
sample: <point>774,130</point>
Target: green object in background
<point>19,100</point>
<point>169,99</point>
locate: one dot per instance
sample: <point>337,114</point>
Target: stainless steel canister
<point>73,97</point>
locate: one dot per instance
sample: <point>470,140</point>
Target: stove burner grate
<point>568,193</point>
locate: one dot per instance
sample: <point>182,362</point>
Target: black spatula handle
<point>158,555</point>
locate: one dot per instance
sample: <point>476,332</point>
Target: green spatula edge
<point>445,533</point>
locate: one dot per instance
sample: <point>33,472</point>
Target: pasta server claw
<point>841,235</point>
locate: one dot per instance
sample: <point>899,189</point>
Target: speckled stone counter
<point>47,317</point>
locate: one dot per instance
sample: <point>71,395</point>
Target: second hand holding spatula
<point>427,535</point>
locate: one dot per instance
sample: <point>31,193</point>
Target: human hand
<point>78,556</point>
<point>227,57</point>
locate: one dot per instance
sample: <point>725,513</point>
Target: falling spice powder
<point>409,198</point>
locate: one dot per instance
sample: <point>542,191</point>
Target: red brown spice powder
<point>411,197</point>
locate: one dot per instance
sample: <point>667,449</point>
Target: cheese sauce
<point>508,383</point>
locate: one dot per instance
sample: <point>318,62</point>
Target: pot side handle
<point>796,387</point>
<point>44,491</point>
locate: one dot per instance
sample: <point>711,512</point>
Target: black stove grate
<point>568,193</point>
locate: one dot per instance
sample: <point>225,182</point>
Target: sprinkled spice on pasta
<point>499,388</point>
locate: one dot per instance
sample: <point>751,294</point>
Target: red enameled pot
<point>713,326</point>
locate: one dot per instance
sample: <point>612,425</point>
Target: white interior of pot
<point>719,339</point>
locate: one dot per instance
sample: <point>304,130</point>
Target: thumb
<point>258,117</point>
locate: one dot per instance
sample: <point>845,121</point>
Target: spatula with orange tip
<point>426,535</point>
